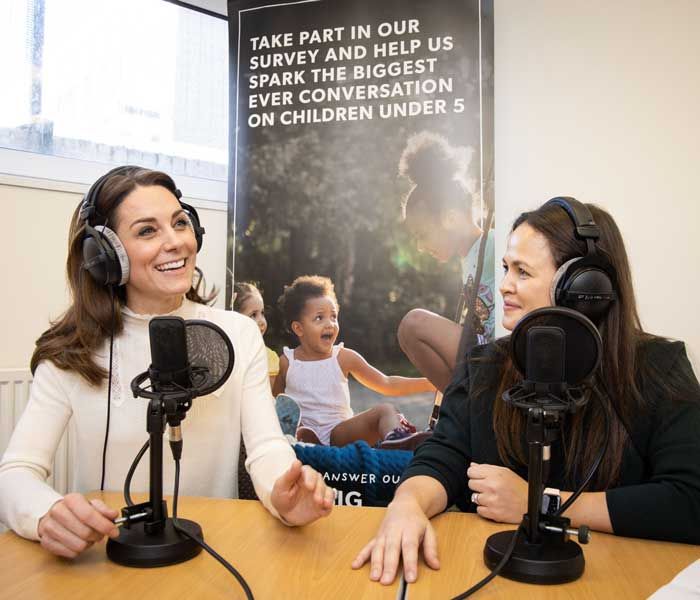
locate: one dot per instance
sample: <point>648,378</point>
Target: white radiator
<point>14,395</point>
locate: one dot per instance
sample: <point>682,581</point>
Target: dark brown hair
<point>292,301</point>
<point>72,339</point>
<point>622,335</point>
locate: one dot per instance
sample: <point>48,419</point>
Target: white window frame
<point>31,169</point>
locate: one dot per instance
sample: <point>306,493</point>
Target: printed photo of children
<point>315,375</point>
<point>389,208</point>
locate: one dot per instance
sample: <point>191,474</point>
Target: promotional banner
<point>361,151</point>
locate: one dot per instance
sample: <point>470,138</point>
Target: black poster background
<point>324,198</point>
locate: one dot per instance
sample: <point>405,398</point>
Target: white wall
<point>33,252</point>
<point>600,100</point>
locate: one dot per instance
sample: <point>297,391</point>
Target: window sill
<point>31,170</point>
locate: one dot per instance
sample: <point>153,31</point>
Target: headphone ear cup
<point>194,221</point>
<point>95,260</point>
<point>586,288</point>
<point>104,256</point>
<point>558,281</point>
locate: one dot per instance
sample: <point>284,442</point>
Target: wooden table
<point>277,561</point>
<point>616,567</point>
<point>314,562</point>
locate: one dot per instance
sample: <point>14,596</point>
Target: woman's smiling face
<point>528,269</point>
<point>160,243</point>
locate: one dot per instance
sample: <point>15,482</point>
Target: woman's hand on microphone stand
<point>74,524</point>
<point>300,495</point>
<point>499,493</point>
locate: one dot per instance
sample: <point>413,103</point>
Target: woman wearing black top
<point>648,484</point>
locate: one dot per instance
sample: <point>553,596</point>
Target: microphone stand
<point>546,554</point>
<point>147,537</point>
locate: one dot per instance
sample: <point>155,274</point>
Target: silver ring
<point>475,498</point>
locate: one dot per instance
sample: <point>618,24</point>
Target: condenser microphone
<point>557,351</point>
<point>188,359</point>
<point>170,369</point>
<point>546,356</point>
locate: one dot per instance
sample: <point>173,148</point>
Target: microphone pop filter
<point>210,354</point>
<point>581,348</point>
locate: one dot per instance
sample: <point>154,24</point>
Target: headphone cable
<point>601,395</point>
<point>109,391</point>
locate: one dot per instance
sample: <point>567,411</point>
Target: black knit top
<point>658,495</point>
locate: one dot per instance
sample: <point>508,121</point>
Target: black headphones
<point>104,256</point>
<point>588,283</point>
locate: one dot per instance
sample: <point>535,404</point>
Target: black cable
<point>130,474</point>
<point>598,459</point>
<point>109,393</point>
<point>176,487</point>
<point>497,569</point>
<point>202,543</point>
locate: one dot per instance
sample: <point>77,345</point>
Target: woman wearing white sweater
<point>140,265</point>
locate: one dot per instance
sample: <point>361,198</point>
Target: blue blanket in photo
<point>362,475</point>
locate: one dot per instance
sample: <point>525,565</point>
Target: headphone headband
<point>580,215</point>
<point>89,204</point>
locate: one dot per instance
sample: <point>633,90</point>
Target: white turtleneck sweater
<point>211,431</point>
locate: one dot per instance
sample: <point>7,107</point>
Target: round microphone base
<point>136,548</point>
<point>552,561</point>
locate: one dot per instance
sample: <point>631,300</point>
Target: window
<point>116,82</point>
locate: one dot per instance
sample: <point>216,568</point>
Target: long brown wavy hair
<point>621,368</point>
<point>71,341</point>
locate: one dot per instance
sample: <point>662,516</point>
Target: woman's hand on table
<point>403,531</point>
